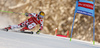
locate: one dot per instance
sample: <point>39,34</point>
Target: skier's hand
<point>26,14</point>
<point>38,30</point>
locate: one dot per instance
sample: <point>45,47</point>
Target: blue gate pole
<point>94,23</point>
<point>93,30</point>
<point>72,26</point>
<point>74,19</point>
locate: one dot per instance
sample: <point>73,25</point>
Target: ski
<point>18,31</point>
<point>27,32</point>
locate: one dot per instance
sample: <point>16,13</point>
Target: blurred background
<point>59,14</point>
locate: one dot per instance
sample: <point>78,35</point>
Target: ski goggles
<point>41,16</point>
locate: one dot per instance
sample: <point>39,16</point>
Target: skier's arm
<point>30,14</point>
<point>41,27</point>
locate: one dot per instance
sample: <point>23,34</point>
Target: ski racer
<point>30,23</point>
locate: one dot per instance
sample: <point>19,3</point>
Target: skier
<point>30,23</point>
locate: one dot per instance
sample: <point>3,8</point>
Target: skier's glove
<point>26,14</point>
<point>38,31</point>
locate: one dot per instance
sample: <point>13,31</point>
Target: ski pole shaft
<point>6,11</point>
<point>12,12</point>
<point>19,13</point>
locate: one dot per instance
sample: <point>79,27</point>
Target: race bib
<point>31,25</point>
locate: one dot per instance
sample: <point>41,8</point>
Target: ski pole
<point>19,13</point>
<point>12,12</point>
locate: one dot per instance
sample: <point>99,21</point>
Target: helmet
<point>41,14</point>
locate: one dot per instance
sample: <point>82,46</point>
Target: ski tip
<point>4,30</point>
<point>32,32</point>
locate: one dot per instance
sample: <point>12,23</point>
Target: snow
<point>5,21</point>
<point>20,40</point>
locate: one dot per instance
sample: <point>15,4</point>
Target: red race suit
<point>30,23</point>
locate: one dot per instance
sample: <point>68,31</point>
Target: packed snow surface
<point>20,40</point>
